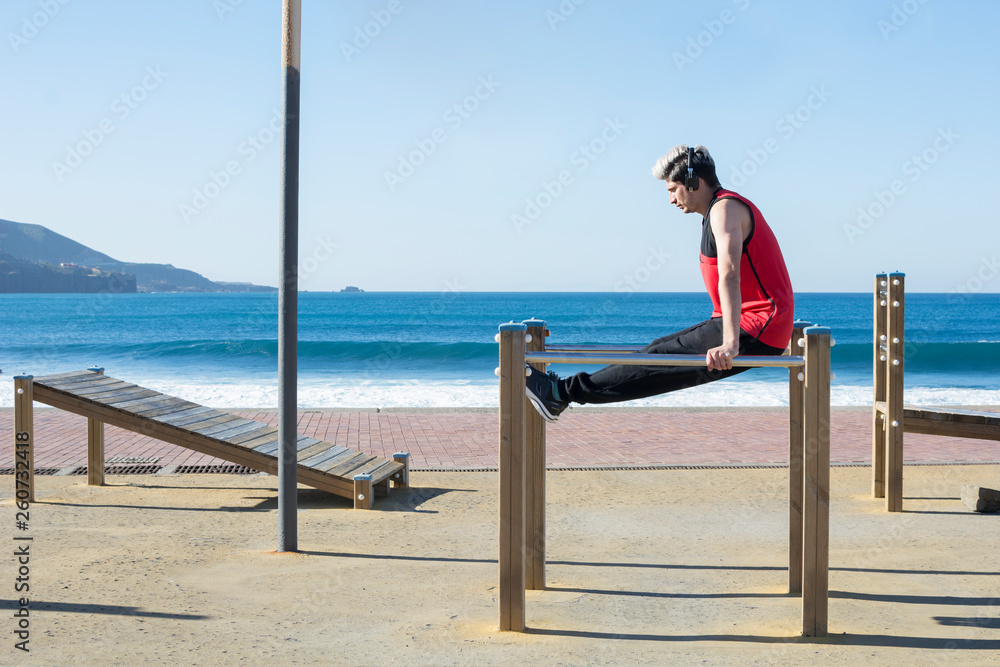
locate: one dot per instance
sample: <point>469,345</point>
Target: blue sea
<point>406,349</point>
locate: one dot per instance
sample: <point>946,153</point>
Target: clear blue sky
<point>813,110</point>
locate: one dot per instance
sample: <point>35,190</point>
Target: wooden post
<point>796,388</point>
<point>534,462</point>
<point>512,476</point>
<point>363,492</point>
<point>879,387</point>
<point>95,446</point>
<point>894,395</point>
<point>816,500</point>
<point>24,439</point>
<point>95,452</point>
<point>401,480</point>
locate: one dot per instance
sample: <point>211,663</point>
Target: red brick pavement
<point>449,440</point>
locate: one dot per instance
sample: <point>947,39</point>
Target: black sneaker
<point>538,388</point>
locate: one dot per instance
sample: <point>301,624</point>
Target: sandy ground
<point>651,567</point>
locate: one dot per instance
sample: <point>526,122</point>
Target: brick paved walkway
<point>458,440</point>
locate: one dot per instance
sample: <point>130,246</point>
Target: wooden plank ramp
<point>322,465</point>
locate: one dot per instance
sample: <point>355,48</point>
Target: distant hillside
<point>18,276</point>
<point>35,243</point>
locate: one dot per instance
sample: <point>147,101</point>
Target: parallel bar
<point>512,477</point>
<point>636,359</point>
<point>809,453</point>
<point>894,395</point>
<point>879,387</point>
<point>534,459</point>
<point>816,499</point>
<point>569,347</point>
<point>24,438</point>
<point>796,399</point>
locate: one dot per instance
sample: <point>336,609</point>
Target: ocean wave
<point>374,352</point>
<point>484,394</point>
<point>980,357</point>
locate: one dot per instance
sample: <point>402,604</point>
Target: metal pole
<point>288,290</point>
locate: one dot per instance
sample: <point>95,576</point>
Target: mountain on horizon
<point>36,243</point>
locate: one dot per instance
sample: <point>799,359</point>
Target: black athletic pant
<point>624,383</point>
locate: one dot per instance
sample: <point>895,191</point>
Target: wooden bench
<point>890,418</point>
<point>107,400</point>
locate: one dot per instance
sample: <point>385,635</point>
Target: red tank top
<point>768,305</point>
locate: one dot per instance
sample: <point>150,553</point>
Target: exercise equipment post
<point>816,467</point>
<point>534,462</point>
<point>24,435</point>
<point>512,475</point>
<point>796,481</point>
<point>809,451</point>
<point>890,417</point>
<point>887,410</point>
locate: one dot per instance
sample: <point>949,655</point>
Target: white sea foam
<point>469,394</point>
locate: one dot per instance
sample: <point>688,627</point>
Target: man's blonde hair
<point>674,165</point>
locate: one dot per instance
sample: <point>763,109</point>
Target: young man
<point>744,274</point>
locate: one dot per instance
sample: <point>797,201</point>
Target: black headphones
<point>691,179</point>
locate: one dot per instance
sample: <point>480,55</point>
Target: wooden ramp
<point>106,400</point>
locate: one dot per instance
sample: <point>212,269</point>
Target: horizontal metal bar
<point>883,347</point>
<point>592,348</point>
<point>635,359</point>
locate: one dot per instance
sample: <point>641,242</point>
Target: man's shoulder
<point>727,207</point>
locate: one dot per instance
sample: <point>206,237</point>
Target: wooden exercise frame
<point>522,460</point>
<point>890,418</point>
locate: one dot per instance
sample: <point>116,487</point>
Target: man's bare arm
<point>730,222</point>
